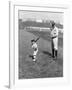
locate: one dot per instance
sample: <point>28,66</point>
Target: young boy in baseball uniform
<point>54,36</point>
<point>35,48</point>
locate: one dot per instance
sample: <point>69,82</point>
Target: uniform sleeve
<point>56,32</point>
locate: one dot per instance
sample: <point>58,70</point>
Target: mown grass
<point>45,67</point>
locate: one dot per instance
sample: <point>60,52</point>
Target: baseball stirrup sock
<point>56,53</point>
<point>34,56</point>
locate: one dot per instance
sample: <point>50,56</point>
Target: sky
<point>57,17</point>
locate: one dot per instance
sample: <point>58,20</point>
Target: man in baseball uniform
<point>54,38</point>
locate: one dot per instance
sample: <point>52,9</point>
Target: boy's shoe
<point>34,60</point>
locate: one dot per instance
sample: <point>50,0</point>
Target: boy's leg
<point>34,55</point>
<point>56,53</point>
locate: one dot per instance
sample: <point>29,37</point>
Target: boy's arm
<point>37,39</point>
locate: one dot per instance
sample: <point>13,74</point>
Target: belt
<point>54,37</point>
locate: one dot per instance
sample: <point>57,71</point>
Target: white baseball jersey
<point>54,35</point>
<point>54,32</point>
<point>34,46</point>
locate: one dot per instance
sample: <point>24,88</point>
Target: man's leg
<point>53,50</point>
<point>56,47</point>
<point>56,51</point>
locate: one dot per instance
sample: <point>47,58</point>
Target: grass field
<point>45,67</point>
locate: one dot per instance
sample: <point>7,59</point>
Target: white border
<point>14,81</point>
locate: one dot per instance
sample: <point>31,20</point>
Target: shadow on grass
<point>31,56</point>
<point>47,53</point>
<point>7,86</point>
<point>59,59</point>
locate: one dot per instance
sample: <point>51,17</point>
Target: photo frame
<point>14,8</point>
